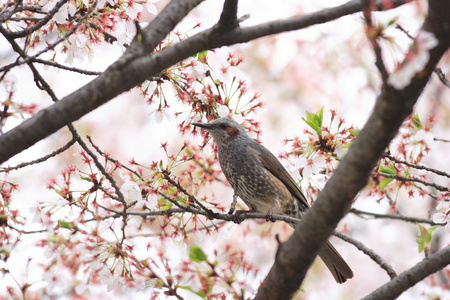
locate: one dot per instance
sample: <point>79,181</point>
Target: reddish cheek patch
<point>232,132</point>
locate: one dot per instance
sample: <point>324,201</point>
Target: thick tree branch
<point>228,18</point>
<point>407,279</point>
<point>392,107</point>
<point>138,64</point>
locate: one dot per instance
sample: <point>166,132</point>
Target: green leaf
<point>315,128</point>
<point>139,38</point>
<point>415,120</point>
<point>64,224</point>
<point>188,288</point>
<point>196,254</point>
<point>4,254</point>
<point>315,121</point>
<point>384,182</point>
<point>167,206</point>
<point>392,21</point>
<point>354,131</point>
<point>188,151</point>
<point>424,238</point>
<point>202,54</point>
<point>319,114</point>
<point>347,145</point>
<point>87,178</point>
<point>389,169</point>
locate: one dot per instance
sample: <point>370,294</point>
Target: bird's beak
<point>202,125</point>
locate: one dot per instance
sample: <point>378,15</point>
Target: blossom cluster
<point>76,27</point>
<point>11,108</point>
<point>314,156</point>
<point>206,87</point>
<point>118,224</point>
<point>416,60</point>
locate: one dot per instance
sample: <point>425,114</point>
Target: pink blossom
<point>223,111</point>
<point>150,6</point>
<point>443,218</point>
<point>415,61</point>
<point>131,191</point>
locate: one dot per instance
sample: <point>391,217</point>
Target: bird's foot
<point>237,216</point>
<point>269,217</point>
<point>233,205</point>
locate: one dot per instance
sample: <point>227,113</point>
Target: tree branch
<point>393,217</point>
<point>27,59</point>
<point>411,179</point>
<point>138,64</point>
<point>369,252</point>
<point>415,166</point>
<point>228,18</point>
<point>391,109</point>
<point>373,35</point>
<point>39,160</point>
<point>407,279</point>
<point>42,22</point>
<point>442,77</point>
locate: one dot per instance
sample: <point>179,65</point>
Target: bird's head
<point>223,130</point>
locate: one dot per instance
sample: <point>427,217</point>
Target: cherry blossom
<point>150,5</point>
<point>160,115</point>
<point>417,59</point>
<point>223,111</point>
<point>131,191</point>
<point>443,217</point>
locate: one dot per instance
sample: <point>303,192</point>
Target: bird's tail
<point>335,263</point>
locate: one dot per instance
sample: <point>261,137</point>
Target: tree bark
<point>295,256</point>
<point>138,64</point>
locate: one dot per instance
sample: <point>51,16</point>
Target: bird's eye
<point>224,126</point>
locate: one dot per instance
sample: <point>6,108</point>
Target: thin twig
<point>369,252</point>
<point>213,225</point>
<point>63,67</point>
<point>442,140</point>
<point>359,212</point>
<point>190,196</point>
<point>27,59</point>
<point>442,77</point>
<point>108,193</point>
<point>415,166</point>
<point>13,35</point>
<point>120,196</point>
<point>42,159</point>
<point>371,28</point>
<point>115,161</point>
<point>42,84</point>
<point>409,179</point>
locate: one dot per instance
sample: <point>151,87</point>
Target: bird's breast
<point>251,181</point>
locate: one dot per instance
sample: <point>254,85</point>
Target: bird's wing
<point>273,165</point>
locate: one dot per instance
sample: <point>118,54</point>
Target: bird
<point>261,181</point>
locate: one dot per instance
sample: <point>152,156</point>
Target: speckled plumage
<point>255,185</point>
<point>260,180</point>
